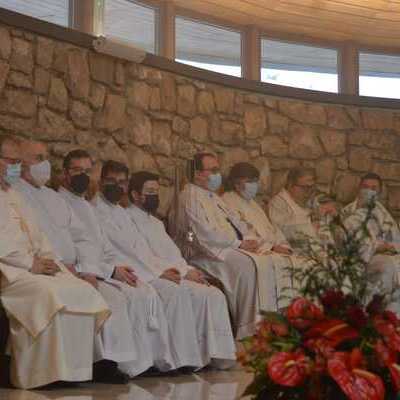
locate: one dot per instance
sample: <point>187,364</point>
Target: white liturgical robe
<point>215,248</point>
<point>211,309</point>
<point>188,318</point>
<point>48,314</point>
<point>261,229</point>
<point>293,220</point>
<point>145,311</point>
<point>383,268</point>
<point>67,235</point>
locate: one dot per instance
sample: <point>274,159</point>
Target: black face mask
<point>80,183</point>
<point>151,202</point>
<point>113,192</point>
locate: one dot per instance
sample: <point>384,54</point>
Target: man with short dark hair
<point>382,247</point>
<point>209,304</point>
<point>145,310</point>
<point>290,210</point>
<point>215,240</point>
<point>53,315</point>
<point>187,306</point>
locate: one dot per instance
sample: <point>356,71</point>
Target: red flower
<point>302,313</point>
<point>332,299</point>
<point>387,358</point>
<point>357,384</point>
<point>266,328</point>
<point>392,317</point>
<point>385,355</point>
<point>335,331</point>
<point>376,305</point>
<point>388,330</point>
<point>357,317</point>
<point>395,375</point>
<point>288,369</point>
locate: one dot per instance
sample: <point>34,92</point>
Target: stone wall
<point>71,97</point>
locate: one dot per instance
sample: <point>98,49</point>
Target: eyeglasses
<point>9,160</point>
<point>214,170</point>
<point>306,187</point>
<point>79,170</point>
<point>113,181</point>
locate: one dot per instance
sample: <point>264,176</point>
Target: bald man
<point>118,341</point>
<point>53,315</point>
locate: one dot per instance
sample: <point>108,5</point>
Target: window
<point>131,21</point>
<point>55,11</point>
<point>379,75</point>
<point>207,46</point>
<point>297,65</point>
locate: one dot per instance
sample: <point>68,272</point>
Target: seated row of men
<point>152,307</point>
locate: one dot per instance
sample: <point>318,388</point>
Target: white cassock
<point>384,268</point>
<point>209,304</point>
<point>53,319</point>
<point>145,311</point>
<point>133,250</point>
<point>274,279</point>
<point>215,248</point>
<point>293,220</point>
<point>66,234</point>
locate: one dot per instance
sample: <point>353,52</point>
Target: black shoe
<point>107,372</point>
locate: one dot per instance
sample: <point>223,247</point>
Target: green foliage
<point>337,265</point>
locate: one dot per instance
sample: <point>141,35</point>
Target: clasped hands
<point>194,275</point>
<point>253,246</point>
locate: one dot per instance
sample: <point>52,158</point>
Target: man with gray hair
<point>53,315</point>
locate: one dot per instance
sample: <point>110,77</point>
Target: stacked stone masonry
<point>72,97</point>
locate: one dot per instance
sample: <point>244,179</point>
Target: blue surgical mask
<point>368,195</point>
<point>13,173</point>
<point>250,190</point>
<point>214,182</point>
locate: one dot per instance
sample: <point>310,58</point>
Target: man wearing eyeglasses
<point>213,239</point>
<point>53,315</point>
<point>290,209</point>
<point>70,241</point>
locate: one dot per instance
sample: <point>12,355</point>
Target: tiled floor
<point>212,385</point>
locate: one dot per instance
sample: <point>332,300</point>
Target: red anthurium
<point>288,369</point>
<point>395,375</point>
<point>387,358</point>
<point>335,330</point>
<point>385,355</point>
<point>357,384</point>
<point>302,313</point>
<point>388,330</point>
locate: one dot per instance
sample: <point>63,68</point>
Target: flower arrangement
<point>336,340</point>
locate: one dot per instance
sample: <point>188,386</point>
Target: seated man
<point>209,231</point>
<point>53,315</point>
<point>146,314</point>
<point>197,324</point>
<point>289,209</point>
<point>243,184</point>
<point>117,341</point>
<point>382,246</point>
<point>210,307</point>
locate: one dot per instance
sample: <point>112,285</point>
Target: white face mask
<point>368,195</point>
<point>41,172</point>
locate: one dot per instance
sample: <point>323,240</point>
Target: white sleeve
<point>208,237</point>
